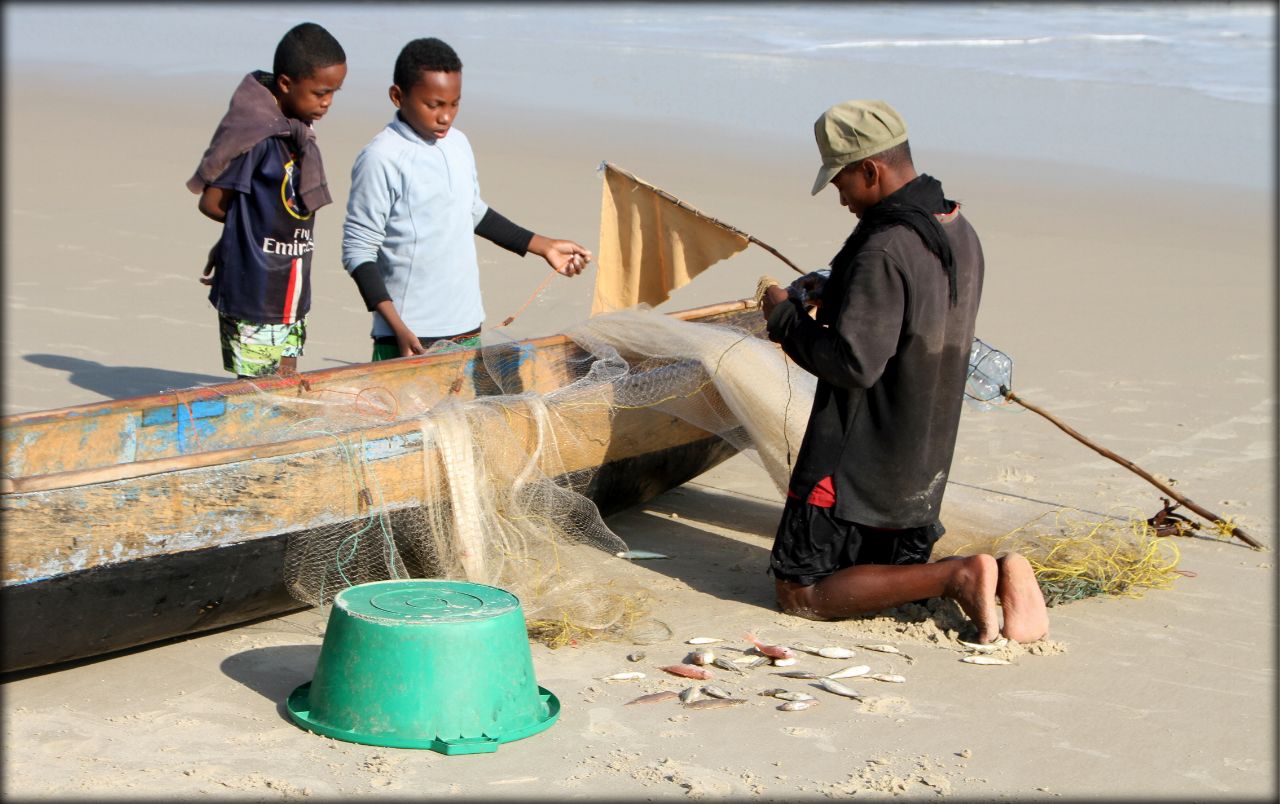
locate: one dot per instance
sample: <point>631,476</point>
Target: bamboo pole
<point>1234,530</point>
<point>669,197</point>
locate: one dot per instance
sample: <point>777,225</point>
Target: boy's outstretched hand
<point>564,256</point>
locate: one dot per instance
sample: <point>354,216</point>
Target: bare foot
<point>1025,617</point>
<point>974,588</point>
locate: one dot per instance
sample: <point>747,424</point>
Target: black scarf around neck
<point>913,205</point>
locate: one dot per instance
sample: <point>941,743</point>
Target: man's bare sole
<point>1026,619</point>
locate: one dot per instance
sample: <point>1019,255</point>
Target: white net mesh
<point>507,477</point>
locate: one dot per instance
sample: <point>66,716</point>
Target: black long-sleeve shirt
<point>891,355</point>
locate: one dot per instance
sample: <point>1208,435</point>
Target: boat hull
<point>105,554</point>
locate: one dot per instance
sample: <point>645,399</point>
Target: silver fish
<point>834,652</point>
<point>892,678</point>
<point>796,706</point>
<point>851,671</point>
<point>793,696</point>
<point>715,703</point>
<point>806,648</point>
<point>635,657</point>
<point>797,674</point>
<point>653,697</point>
<point>632,676</point>
<point>771,691</point>
<point>702,640</point>
<point>784,662</point>
<point>690,695</point>
<point>985,660</point>
<point>887,649</point>
<point>756,661</point>
<point>727,664</point>
<point>833,686</point>
<point>716,692</point>
<point>987,647</point>
<point>881,648</point>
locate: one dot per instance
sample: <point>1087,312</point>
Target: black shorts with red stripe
<point>812,542</point>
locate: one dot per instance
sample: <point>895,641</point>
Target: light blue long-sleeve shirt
<point>413,209</point>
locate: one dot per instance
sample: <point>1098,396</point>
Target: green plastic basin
<point>443,665</point>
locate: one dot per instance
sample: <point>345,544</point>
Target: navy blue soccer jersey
<point>264,257</point>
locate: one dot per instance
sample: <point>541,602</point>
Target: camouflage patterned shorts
<point>255,350</point>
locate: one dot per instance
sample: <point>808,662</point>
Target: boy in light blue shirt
<point>414,208</point>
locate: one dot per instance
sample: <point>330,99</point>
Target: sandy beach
<point>1138,309</point>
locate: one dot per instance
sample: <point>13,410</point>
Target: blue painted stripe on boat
<point>392,446</point>
<point>202,409</point>
<point>129,439</point>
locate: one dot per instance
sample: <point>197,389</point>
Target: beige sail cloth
<point>650,245</point>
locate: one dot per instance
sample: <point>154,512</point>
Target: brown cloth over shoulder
<point>649,246</point>
<point>252,117</point>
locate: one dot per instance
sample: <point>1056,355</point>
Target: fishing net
<point>513,445</point>
<point>505,476</point>
<point>1076,556</point>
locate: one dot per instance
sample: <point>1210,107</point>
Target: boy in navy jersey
<point>263,179</point>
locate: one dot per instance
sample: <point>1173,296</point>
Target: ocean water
<point>1145,88</point>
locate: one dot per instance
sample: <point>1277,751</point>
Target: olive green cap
<point>854,130</point>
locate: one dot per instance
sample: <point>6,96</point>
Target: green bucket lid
<point>417,663</point>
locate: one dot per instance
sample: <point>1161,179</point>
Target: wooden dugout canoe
<point>136,520</point>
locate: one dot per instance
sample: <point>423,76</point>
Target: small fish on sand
<point>835,652</point>
<point>772,651</point>
<point>640,555</point>
<point>985,660</point>
<point>636,657</point>
<point>787,662</point>
<point>702,640</point>
<point>716,692</point>
<point>796,706</point>
<point>828,652</point>
<point>793,696</point>
<point>771,692</point>
<point>881,648</point>
<point>752,662</point>
<point>632,676</point>
<point>892,678</point>
<point>851,671</point>
<point>715,703</point>
<point>701,656</point>
<point>797,674</point>
<point>987,647</point>
<point>727,664</point>
<point>688,696</point>
<point>887,649</point>
<point>832,686</point>
<point>654,697</point>
<point>689,671</point>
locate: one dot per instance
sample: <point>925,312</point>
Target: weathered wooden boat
<point>136,520</point>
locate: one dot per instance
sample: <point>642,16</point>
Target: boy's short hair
<point>306,48</point>
<point>428,55</point>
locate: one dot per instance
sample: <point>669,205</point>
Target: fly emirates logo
<point>302,244</point>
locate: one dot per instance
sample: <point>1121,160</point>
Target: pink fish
<point>689,671</point>
<point>772,651</point>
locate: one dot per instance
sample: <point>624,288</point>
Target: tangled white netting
<point>517,443</point>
